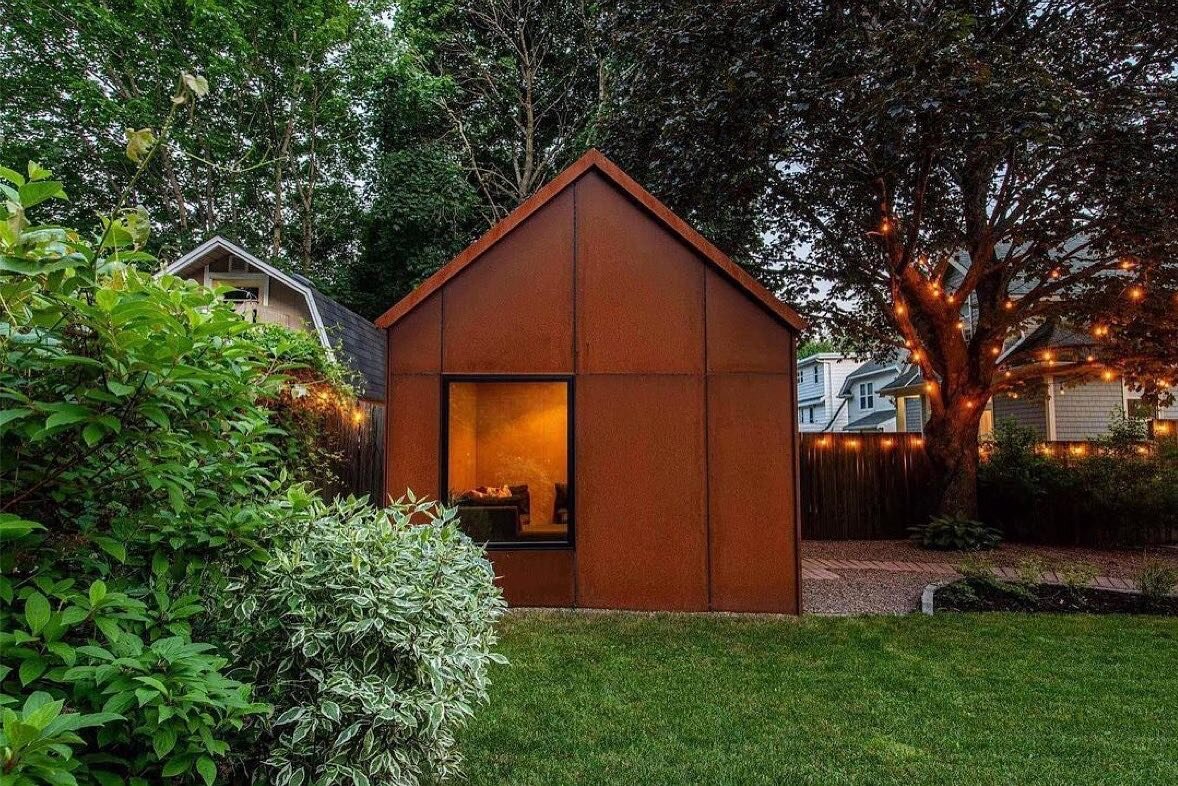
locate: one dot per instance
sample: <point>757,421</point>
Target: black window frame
<point>570,540</point>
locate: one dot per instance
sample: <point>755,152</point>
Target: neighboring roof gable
<point>340,330</point>
<point>594,160</point>
<point>868,369</point>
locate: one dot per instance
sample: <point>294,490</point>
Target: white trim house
<point>819,378</point>
<point>265,293</point>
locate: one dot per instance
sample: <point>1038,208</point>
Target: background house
<point>264,293</point>
<point>1063,406</point>
<point>820,378</point>
<point>867,408</point>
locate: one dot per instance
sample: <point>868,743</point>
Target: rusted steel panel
<point>511,311</point>
<point>413,419</point>
<point>535,577</point>
<point>742,335</point>
<point>641,505</point>
<point>415,343</point>
<point>640,289</point>
<point>750,493</point>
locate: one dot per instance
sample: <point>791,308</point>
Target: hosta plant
<point>371,632</point>
<point>955,533</point>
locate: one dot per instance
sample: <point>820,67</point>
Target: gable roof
<point>349,337</point>
<point>869,368</point>
<point>594,160</point>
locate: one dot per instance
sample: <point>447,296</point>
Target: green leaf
<point>13,527</point>
<point>93,433</point>
<point>36,193</point>
<point>9,415</point>
<point>12,176</point>
<point>112,547</point>
<point>139,143</point>
<point>163,741</point>
<point>331,710</point>
<point>176,765</point>
<point>207,770</point>
<point>31,668</point>
<point>97,592</point>
<point>65,414</point>
<point>37,172</point>
<point>37,612</point>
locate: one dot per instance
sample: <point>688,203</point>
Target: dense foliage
<point>1120,491</point>
<point>148,441</point>
<point>370,637</point>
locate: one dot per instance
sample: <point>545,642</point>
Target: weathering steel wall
<point>684,446</point>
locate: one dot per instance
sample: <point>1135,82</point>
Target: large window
<point>867,395</point>
<point>508,459</point>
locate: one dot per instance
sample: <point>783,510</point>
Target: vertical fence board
<point>861,486</point>
<point>357,438</point>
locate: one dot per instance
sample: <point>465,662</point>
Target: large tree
<point>916,157</point>
<point>275,155</point>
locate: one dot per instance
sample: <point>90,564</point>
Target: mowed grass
<point>953,699</point>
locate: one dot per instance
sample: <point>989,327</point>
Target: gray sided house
<point>262,292</point>
<point>867,408</point>
<point>820,378</point>
<point>1067,407</point>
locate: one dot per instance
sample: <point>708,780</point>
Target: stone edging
<point>926,597</point>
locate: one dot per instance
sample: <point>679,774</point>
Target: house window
<point>810,414</point>
<point>1140,410</point>
<point>508,457</point>
<point>244,294</point>
<point>800,377</point>
<point>867,395</point>
<point>815,373</point>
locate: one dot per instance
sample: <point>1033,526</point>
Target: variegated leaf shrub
<point>371,632</point>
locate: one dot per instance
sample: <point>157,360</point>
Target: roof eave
<point>593,160</point>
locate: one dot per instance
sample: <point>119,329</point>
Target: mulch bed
<point>985,595</point>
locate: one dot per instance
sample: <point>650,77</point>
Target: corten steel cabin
<point>609,401</point>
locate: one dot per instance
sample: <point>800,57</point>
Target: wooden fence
<point>876,486</point>
<point>357,438</point>
<point>860,486</point>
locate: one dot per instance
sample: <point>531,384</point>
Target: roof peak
<point>593,159</point>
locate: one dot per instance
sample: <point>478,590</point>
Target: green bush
<point>955,532</point>
<point>371,636</point>
<point>1114,493</point>
<point>1156,580</point>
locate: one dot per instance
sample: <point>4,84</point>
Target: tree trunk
<point>951,443</point>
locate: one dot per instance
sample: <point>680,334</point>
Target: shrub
<point>1113,494</point>
<point>1157,580</point>
<point>370,635</point>
<point>955,532</point>
<point>1077,575</point>
<point>1030,570</point>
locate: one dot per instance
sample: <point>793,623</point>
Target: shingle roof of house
<point>867,369</point>
<point>871,420</point>
<point>357,342</point>
<point>352,338</point>
<point>1052,334</point>
<point>908,378</point>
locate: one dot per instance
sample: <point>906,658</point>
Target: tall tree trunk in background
<point>279,185</point>
<point>951,444</point>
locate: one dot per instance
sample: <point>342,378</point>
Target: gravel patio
<point>888,576</point>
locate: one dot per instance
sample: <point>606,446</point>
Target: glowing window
<point>508,459</point>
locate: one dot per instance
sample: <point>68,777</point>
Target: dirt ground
<point>884,592</point>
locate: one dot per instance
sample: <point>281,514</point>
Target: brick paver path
<point>828,570</point>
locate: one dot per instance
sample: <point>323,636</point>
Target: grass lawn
<point>970,699</point>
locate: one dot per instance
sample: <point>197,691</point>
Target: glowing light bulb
<point>1136,293</point>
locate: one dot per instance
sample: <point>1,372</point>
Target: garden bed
<point>979,594</point>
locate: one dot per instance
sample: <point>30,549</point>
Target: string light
<point>1091,358</point>
<point>900,309</point>
<point>994,350</point>
<point>1100,331</point>
<point>1107,375</point>
<point>1126,264</point>
<point>1055,272</point>
<point>961,324</point>
<point>1008,305</point>
<point>916,354</point>
<point>930,387</point>
<point>1136,293</point>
